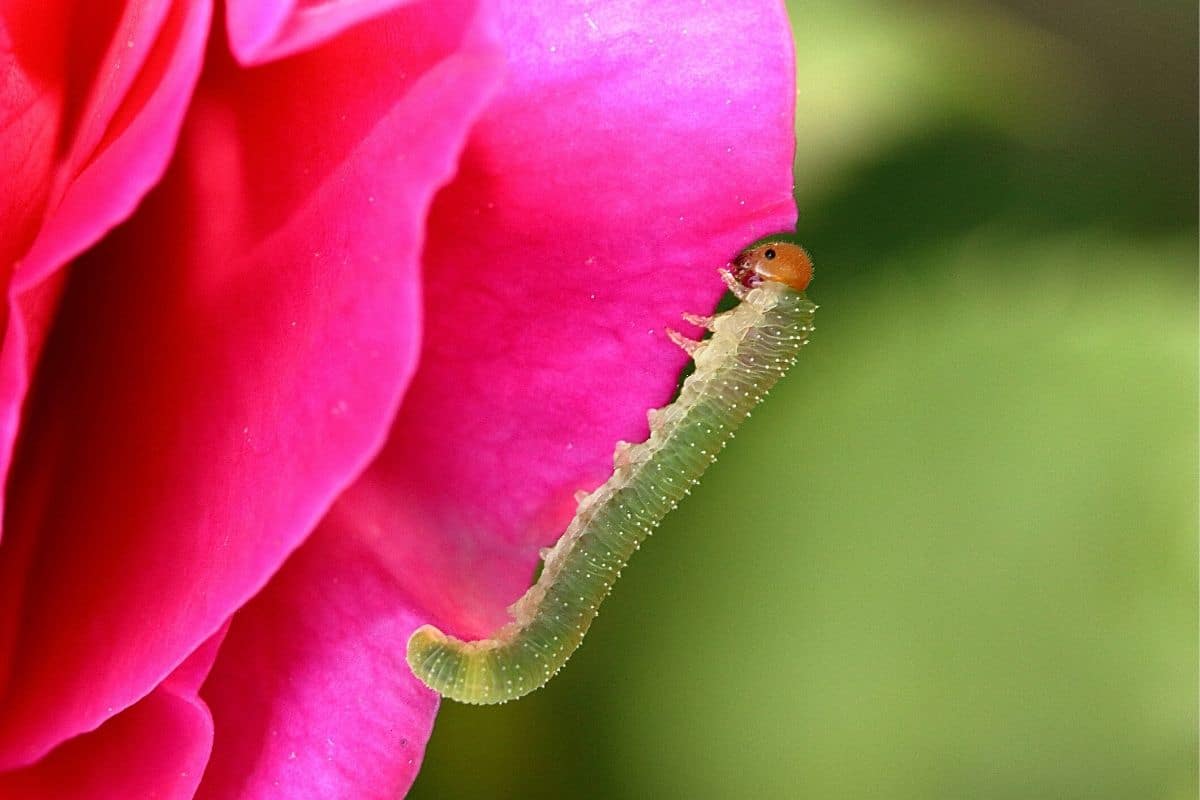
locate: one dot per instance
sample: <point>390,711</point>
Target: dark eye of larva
<point>769,253</point>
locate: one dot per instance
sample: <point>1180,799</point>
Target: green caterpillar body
<point>752,346</point>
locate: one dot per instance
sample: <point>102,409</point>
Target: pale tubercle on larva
<point>751,347</point>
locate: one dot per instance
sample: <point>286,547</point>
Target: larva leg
<point>747,357</point>
<point>699,321</point>
<point>621,456</point>
<point>690,346</point>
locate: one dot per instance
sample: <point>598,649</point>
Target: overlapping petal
<point>224,366</point>
<point>93,99</point>
<point>621,165</point>
<point>225,363</point>
<point>310,696</point>
<point>157,748</point>
<point>264,30</point>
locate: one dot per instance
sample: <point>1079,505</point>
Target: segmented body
<point>752,346</point>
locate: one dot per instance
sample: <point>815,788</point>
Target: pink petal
<point>226,362</point>
<point>311,695</point>
<point>32,109</point>
<point>127,129</point>
<point>156,748</point>
<point>131,100</point>
<point>264,30</point>
<point>636,148</point>
<point>551,275</point>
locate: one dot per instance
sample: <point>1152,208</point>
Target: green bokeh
<point>954,555</point>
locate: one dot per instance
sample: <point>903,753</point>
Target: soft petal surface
<point>634,149</point>
<point>263,30</point>
<point>227,361</point>
<point>88,130</point>
<point>157,748</point>
<point>637,147</point>
<point>309,695</point>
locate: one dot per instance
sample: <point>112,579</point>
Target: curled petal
<point>264,30</point>
<point>89,136</point>
<point>227,361</point>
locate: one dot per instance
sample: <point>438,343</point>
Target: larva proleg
<point>752,346</point>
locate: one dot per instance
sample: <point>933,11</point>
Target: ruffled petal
<point>91,132</point>
<point>226,362</point>
<point>550,280</point>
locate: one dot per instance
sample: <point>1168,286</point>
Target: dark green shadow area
<point>959,180</point>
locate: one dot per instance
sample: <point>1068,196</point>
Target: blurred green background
<point>954,556</point>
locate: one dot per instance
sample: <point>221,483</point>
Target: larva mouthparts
<point>752,346</point>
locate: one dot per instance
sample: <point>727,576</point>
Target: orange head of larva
<point>782,262</point>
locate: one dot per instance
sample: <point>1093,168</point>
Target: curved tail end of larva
<point>481,672</point>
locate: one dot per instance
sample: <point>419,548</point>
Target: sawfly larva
<point>751,347</point>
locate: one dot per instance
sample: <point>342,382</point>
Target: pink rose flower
<point>317,315</point>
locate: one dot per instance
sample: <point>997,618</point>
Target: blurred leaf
<point>872,73</point>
